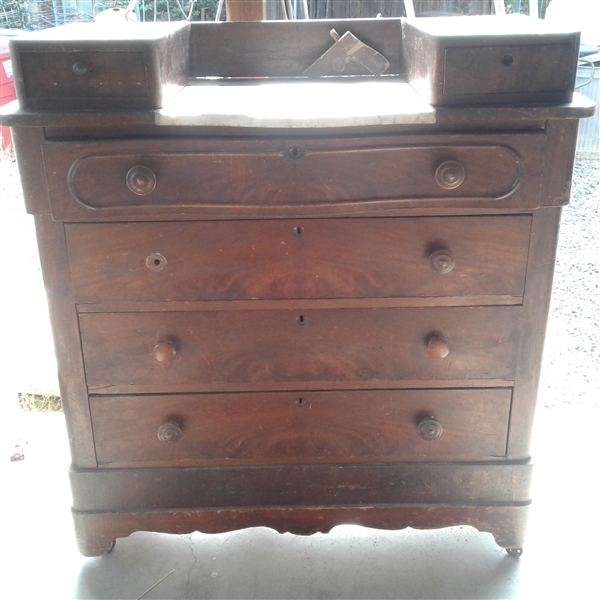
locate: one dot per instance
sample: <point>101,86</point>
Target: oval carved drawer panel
<point>274,178</point>
<point>337,258</point>
<point>126,352</point>
<point>298,176</point>
<point>289,427</point>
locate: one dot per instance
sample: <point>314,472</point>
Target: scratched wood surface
<point>300,258</point>
<point>286,428</point>
<point>328,346</point>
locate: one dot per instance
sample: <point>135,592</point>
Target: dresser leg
<point>94,547</point>
<point>93,539</point>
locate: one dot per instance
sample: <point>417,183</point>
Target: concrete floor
<point>39,560</point>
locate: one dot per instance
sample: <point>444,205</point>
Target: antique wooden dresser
<point>298,303</point>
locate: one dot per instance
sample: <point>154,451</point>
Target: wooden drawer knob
<point>80,67</point>
<point>141,180</point>
<point>164,352</point>
<point>449,175</point>
<point>169,432</point>
<point>441,261</point>
<point>430,429</point>
<point>438,347</point>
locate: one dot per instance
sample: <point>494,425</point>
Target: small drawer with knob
<point>61,79</point>
<point>86,67</point>
<point>497,72</point>
<point>435,257</point>
<point>293,427</point>
<point>187,351</point>
<point>478,63</point>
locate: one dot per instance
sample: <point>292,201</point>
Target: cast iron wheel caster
<point>514,552</point>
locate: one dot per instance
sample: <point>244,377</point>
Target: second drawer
<point>321,258</point>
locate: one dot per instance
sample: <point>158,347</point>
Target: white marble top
<point>296,103</point>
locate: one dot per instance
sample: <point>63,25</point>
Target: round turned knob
<point>169,432</point>
<point>441,261</point>
<point>449,175</point>
<point>508,60</point>
<point>164,352</point>
<point>80,67</point>
<point>430,429</point>
<point>141,180</point>
<point>438,347</point>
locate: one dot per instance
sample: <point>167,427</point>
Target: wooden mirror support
<point>245,10</point>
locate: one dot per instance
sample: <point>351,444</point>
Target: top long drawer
<point>280,177</point>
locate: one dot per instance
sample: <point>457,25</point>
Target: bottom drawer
<point>289,427</point>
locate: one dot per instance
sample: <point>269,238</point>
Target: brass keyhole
<point>301,320</point>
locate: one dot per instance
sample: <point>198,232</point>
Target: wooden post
<point>534,9</point>
<point>245,10</point>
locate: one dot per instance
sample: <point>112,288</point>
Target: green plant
<point>511,5</point>
<point>11,15</point>
<point>168,10</point>
<point>40,403</point>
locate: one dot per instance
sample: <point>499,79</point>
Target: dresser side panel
<point>28,143</point>
<point>67,345</point>
<point>536,303</point>
<point>558,161</point>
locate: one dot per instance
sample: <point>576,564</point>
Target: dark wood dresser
<point>290,303</point>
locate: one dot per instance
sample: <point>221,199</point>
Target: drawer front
<point>507,69</point>
<point>69,76</point>
<point>188,351</point>
<point>281,177</point>
<point>473,63</point>
<point>334,258</point>
<point>275,178</point>
<point>288,427</point>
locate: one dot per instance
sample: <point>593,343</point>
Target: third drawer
<point>194,350</point>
